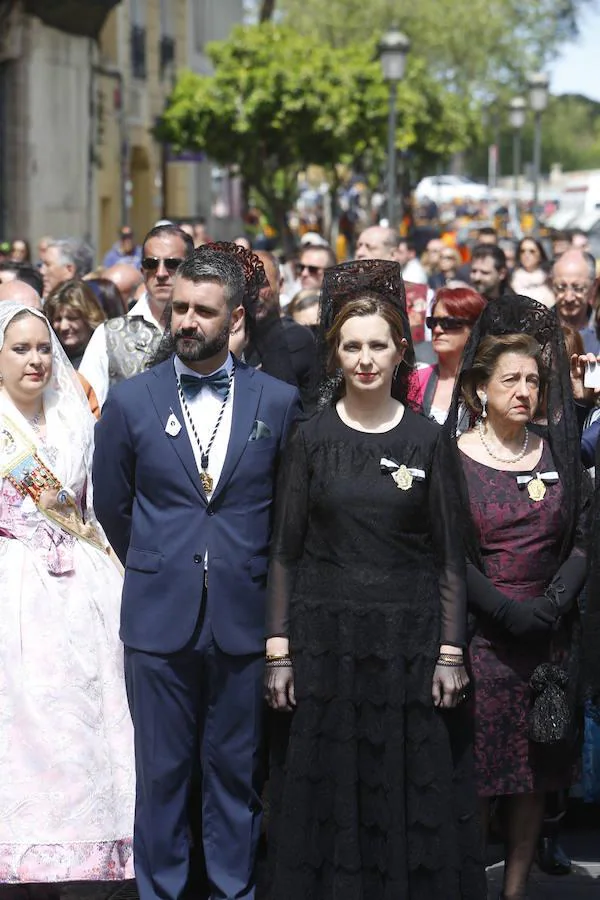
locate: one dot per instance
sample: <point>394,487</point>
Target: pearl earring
<point>483,399</point>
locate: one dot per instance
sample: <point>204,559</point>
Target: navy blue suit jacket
<point>149,500</point>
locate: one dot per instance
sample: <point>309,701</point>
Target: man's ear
<point>237,318</point>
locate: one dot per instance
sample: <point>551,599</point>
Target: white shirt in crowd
<point>94,365</point>
<point>414,271</point>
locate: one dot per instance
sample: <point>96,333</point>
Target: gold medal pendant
<point>536,489</point>
<point>403,478</point>
<point>207,482</point>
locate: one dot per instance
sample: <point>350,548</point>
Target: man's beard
<point>193,346</point>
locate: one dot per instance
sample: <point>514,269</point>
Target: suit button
<point>210,511</point>
<point>197,558</point>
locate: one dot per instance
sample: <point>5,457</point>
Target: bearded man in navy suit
<point>184,476</point>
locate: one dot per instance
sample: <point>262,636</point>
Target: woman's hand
<point>279,685</point>
<point>279,675</point>
<point>449,683</point>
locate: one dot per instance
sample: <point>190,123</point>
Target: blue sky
<point>577,70</point>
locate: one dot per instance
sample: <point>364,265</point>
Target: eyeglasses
<point>312,270</point>
<point>578,290</point>
<point>449,256</point>
<point>446,323</point>
<point>151,263</point>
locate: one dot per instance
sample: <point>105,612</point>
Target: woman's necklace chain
<point>493,454</point>
<point>35,422</point>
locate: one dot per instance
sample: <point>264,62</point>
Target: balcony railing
<point>84,17</point>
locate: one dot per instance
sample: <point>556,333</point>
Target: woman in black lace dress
<point>526,504</point>
<point>367,594</point>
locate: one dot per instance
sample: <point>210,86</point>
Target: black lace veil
<point>515,314</point>
<point>351,281</point>
<point>591,620</point>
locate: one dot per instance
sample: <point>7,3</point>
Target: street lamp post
<point>393,50</point>
<point>517,113</point>
<point>538,100</point>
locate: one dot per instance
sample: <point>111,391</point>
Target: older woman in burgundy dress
<point>526,501</point>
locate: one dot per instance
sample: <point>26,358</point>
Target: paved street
<point>584,846</point>
<point>583,884</point>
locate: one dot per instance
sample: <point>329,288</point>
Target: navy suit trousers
<point>198,701</point>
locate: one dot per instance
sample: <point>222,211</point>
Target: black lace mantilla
<point>515,314</point>
<point>350,281</point>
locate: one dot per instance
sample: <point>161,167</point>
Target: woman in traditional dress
<point>66,754</point>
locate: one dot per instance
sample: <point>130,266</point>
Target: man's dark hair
<point>26,273</point>
<point>171,231</point>
<point>409,244</point>
<point>487,231</point>
<point>591,262</point>
<point>209,264</point>
<point>482,251</point>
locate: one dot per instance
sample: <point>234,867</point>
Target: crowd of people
<point>361,492</point>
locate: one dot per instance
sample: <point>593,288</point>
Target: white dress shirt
<point>94,365</point>
<point>204,410</point>
<point>414,271</point>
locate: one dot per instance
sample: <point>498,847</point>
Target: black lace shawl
<point>515,314</point>
<point>591,619</point>
<point>350,281</point>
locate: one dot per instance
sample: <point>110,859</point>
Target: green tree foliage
<point>570,136</point>
<point>275,105</point>
<point>473,45</point>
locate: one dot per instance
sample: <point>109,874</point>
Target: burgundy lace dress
<point>520,542</point>
<point>377,799</point>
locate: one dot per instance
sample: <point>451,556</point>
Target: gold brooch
<point>403,478</point>
<point>536,489</point>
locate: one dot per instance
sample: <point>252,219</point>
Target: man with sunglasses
<point>311,267</point>
<point>122,347</point>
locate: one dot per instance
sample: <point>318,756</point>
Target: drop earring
<point>483,399</point>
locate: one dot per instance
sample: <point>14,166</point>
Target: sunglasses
<point>446,323</point>
<point>312,270</point>
<point>151,263</point>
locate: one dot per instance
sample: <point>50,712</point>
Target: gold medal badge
<point>403,478</point>
<point>536,489</point>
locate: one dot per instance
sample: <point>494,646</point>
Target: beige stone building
<point>82,85</point>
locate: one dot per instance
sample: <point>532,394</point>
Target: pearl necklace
<point>494,455</point>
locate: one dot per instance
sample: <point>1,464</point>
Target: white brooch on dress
<point>402,475</point>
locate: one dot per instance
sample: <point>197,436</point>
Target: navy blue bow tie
<point>191,385</point>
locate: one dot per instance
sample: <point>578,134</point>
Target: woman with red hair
<point>453,314</point>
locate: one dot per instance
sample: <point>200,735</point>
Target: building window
<point>166,49</point>
<point>167,54</point>
<point>138,51</point>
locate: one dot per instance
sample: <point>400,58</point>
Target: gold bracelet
<point>271,657</point>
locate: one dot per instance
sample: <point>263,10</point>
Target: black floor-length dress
<point>376,800</point>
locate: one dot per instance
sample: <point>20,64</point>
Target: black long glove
<point>519,619</point>
<point>567,584</point>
